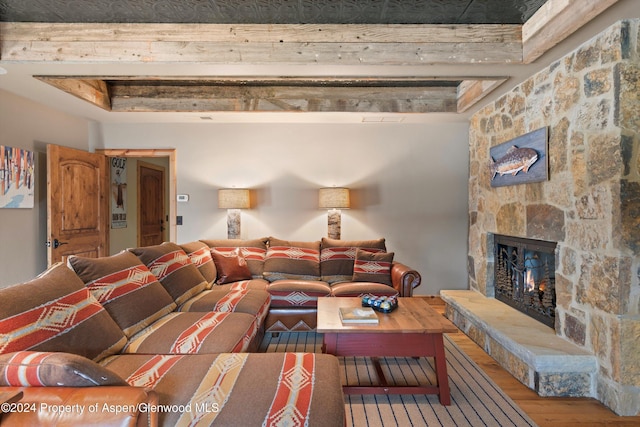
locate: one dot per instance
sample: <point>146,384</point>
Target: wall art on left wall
<point>17,177</point>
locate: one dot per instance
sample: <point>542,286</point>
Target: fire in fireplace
<point>525,276</point>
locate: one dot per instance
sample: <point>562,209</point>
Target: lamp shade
<point>334,198</point>
<point>233,198</point>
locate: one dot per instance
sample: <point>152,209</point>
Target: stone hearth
<point>529,350</point>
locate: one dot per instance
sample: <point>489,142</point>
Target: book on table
<point>358,315</point>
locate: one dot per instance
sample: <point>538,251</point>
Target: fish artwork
<point>515,160</point>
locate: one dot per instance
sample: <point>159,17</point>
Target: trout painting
<point>521,160</point>
<point>516,160</point>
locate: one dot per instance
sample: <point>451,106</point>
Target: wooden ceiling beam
<point>472,91</point>
<point>262,44</point>
<point>162,94</point>
<point>276,92</point>
<point>286,105</point>
<point>93,90</point>
<point>310,99</point>
<point>263,33</point>
<point>555,21</point>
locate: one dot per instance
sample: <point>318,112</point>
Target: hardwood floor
<point>545,411</point>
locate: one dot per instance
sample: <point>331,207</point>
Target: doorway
<point>165,158</point>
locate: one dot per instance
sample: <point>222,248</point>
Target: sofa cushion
<point>240,389</point>
<point>55,312</point>
<point>126,288</point>
<point>337,257</point>
<point>231,266</point>
<point>372,267</point>
<point>253,251</point>
<point>297,293</point>
<point>360,289</point>
<point>200,254</point>
<point>292,260</point>
<point>191,333</point>
<point>173,268</point>
<point>53,369</point>
<point>250,301</point>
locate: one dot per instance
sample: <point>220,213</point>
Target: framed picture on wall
<point>520,160</point>
<point>118,192</point>
<point>17,177</point>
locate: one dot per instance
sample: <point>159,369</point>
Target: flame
<point>529,283</point>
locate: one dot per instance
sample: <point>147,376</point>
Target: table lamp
<point>334,199</point>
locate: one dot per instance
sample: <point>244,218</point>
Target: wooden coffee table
<point>414,329</point>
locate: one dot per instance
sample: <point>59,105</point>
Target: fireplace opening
<point>525,276</point>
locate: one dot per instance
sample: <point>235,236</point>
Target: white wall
<point>408,181</point>
<point>23,232</point>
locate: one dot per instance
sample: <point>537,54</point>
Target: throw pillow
<point>126,289</point>
<point>231,266</point>
<point>372,267</point>
<point>292,260</point>
<point>53,369</point>
<point>200,255</point>
<point>173,268</point>
<point>55,312</point>
<point>253,251</point>
<point>337,257</point>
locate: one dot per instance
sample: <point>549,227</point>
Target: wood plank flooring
<point>545,411</point>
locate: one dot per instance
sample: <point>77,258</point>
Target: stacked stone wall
<point>590,103</point>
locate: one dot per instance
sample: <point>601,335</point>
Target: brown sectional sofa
<point>167,334</point>
<point>296,274</point>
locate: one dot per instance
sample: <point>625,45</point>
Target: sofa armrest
<point>70,406</point>
<point>404,279</point>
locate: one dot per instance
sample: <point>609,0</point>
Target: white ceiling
<point>18,79</point>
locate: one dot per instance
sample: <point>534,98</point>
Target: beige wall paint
<point>23,232</point>
<point>408,181</point>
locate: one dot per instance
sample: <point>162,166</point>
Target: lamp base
<point>334,224</point>
<point>233,223</point>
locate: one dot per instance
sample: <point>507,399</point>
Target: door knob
<point>56,243</point>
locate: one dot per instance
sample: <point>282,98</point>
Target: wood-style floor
<point>545,411</point>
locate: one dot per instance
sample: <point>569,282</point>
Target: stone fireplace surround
<point>590,102</point>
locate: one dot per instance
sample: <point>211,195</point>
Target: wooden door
<point>150,204</point>
<point>77,203</point>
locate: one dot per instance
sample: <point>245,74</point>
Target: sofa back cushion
<point>253,251</point>
<point>337,257</point>
<point>55,312</point>
<point>173,268</point>
<point>200,254</point>
<point>53,369</point>
<point>126,288</point>
<point>292,260</point>
<point>372,267</point>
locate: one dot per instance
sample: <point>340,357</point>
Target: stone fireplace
<point>590,207</point>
